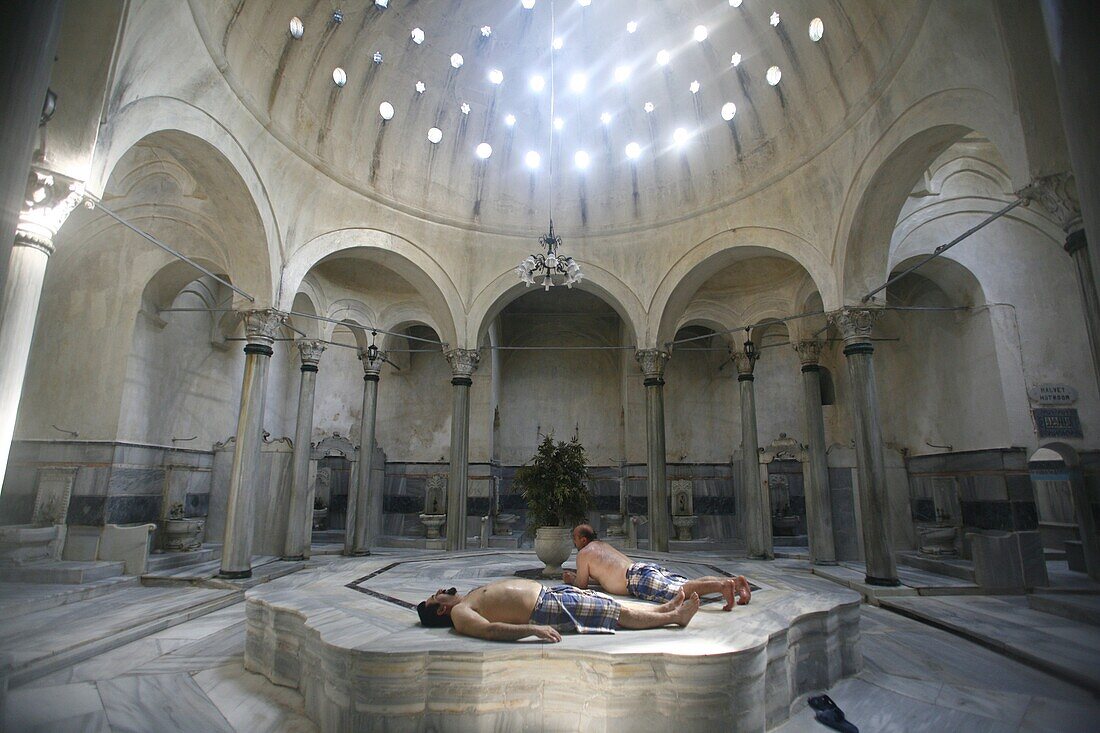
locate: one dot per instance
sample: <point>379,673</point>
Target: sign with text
<point>1052,394</point>
<point>1054,422</point>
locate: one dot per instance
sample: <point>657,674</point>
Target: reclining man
<point>511,609</point>
<point>618,574</point>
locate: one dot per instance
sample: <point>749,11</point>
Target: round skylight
<point>817,30</point>
<point>648,107</point>
<point>663,57</point>
<point>386,110</point>
<point>774,75</point>
<point>605,118</point>
<point>621,73</point>
<point>633,150</point>
<point>486,30</point>
<point>558,43</point>
<point>377,57</point>
<point>296,27</point>
<point>558,123</point>
<point>693,87</point>
<point>578,82</point>
<point>729,109</point>
<point>680,136</point>
<point>735,3</point>
<point>510,120</point>
<point>496,76</point>
<point>435,135</point>
<point>532,160</point>
<point>774,19</point>
<point>584,3</point>
<point>581,159</point>
<point>700,33</point>
<point>465,108</point>
<point>456,60</point>
<point>417,36</point>
<point>631,26</point>
<point>484,150</point>
<point>527,3</point>
<point>537,83</point>
<point>735,59</point>
<point>339,76</point>
<point>420,87</point>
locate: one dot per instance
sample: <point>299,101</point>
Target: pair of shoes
<point>828,714</point>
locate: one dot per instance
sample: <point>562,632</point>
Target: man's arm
<point>583,566</point>
<point>469,622</point>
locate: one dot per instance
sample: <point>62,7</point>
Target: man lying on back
<point>616,573</point>
<point>511,609</point>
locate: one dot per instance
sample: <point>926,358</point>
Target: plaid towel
<point>651,582</point>
<point>571,609</point>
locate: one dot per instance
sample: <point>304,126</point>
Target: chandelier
<point>552,268</point>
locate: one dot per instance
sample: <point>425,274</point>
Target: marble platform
<point>348,638</point>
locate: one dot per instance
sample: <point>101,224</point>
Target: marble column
<point>819,513</point>
<point>38,223</point>
<point>261,327</point>
<point>299,528</point>
<point>855,325</point>
<point>365,510</point>
<point>653,362</point>
<point>1057,195</point>
<point>463,364</point>
<point>758,516</point>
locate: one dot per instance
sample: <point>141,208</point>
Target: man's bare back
<point>602,563</point>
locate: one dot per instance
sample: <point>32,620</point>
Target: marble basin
<point>937,540</point>
<point>347,637</point>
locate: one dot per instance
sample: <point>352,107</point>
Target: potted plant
<point>320,513</point>
<point>555,486</point>
<point>182,534</point>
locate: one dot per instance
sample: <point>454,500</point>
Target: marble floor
<point>191,677</point>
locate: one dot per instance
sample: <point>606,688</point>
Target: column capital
<point>855,324</point>
<point>652,363</point>
<point>1057,194</point>
<point>310,352</point>
<point>261,327</point>
<point>49,201</point>
<point>463,364</point>
<point>372,366</point>
<point>745,363</point>
<point>809,351</point>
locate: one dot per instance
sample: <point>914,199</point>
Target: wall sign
<point>1052,394</point>
<point>1054,422</point>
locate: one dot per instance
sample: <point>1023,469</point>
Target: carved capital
<point>652,362</point>
<point>1057,194</point>
<point>47,205</point>
<point>372,367</point>
<point>809,352</point>
<point>310,351</point>
<point>463,362</point>
<point>744,362</point>
<point>262,326</point>
<point>855,324</point>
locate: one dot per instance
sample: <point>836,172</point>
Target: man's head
<point>435,612</point>
<point>582,535</point>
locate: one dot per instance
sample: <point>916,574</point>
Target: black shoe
<point>828,714</point>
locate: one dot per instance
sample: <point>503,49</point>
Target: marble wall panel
<point>272,501</point>
<point>136,481</point>
<point>846,530</point>
<point>86,510</point>
<point>132,509</point>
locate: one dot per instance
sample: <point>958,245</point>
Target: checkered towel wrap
<point>572,609</point>
<point>651,582</point>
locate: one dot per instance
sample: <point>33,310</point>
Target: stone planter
<point>937,541</point>
<point>683,525</point>
<point>553,545</point>
<point>183,535</point>
<point>320,518</point>
<point>432,524</point>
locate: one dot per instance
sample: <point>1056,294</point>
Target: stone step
<point>166,560</point>
<point>953,567</point>
<point>1083,608</point>
<point>61,571</point>
<point>17,599</point>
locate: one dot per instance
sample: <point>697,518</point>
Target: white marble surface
<point>363,663</point>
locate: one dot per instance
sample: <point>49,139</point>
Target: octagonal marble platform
<point>348,637</point>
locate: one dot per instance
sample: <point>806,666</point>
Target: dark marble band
<point>260,349</point>
<point>461,381</point>
<point>883,582</point>
<point>309,367</point>
<point>653,382</point>
<point>811,368</point>
<point>373,378</point>
<point>862,347</point>
<point>745,378</point>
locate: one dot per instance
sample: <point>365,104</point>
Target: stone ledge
<point>363,662</point>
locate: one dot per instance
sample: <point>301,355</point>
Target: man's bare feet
<point>673,604</point>
<point>729,590</point>
<point>744,591</point>
<point>682,615</point>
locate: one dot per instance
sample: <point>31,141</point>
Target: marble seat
<point>349,639</point>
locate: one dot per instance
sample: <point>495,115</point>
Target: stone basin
<point>347,637</point>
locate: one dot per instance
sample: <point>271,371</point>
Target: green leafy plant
<point>555,484</point>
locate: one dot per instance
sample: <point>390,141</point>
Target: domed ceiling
<point>627,71</point>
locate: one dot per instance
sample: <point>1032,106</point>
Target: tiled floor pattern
<point>190,678</point>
